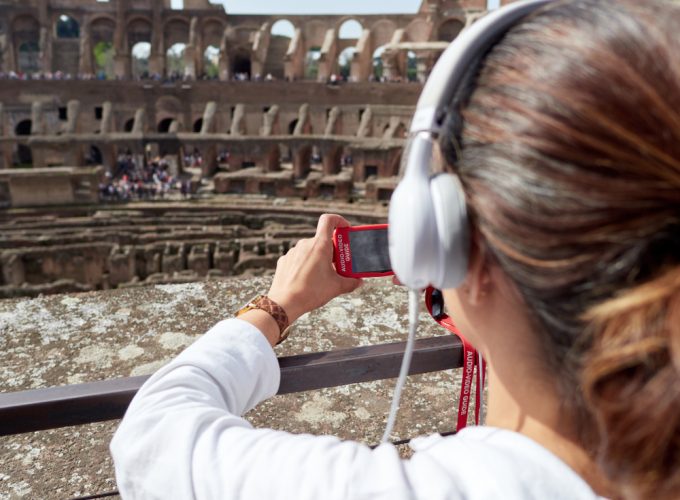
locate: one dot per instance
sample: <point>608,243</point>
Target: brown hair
<point>570,156</point>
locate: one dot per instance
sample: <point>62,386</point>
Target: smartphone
<point>362,251</point>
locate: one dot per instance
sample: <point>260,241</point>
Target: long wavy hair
<point>569,151</point>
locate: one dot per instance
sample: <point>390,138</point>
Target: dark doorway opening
<point>24,155</point>
<point>164,125</point>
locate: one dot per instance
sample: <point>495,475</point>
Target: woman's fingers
<point>305,277</point>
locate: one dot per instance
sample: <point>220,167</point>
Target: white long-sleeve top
<point>183,437</point>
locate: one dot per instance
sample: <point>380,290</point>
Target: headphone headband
<point>453,65</point>
<point>428,223</point>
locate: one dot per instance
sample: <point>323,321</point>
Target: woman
<point>569,154</point>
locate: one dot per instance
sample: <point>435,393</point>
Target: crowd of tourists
<point>150,181</point>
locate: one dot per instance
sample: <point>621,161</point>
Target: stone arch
<point>382,32</point>
<point>101,31</point>
<point>349,29</point>
<point>139,60</point>
<point>66,27</point>
<point>168,105</point>
<point>241,63</point>
<point>419,30</point>
<point>449,29</point>
<point>25,32</point>
<point>281,34</point>
<point>314,34</point>
<point>65,46</point>
<point>283,27</point>
<point>175,30</point>
<point>138,29</point>
<point>212,31</point>
<point>174,60</point>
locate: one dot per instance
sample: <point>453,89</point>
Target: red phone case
<point>342,253</point>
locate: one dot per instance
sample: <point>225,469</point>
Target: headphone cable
<point>413,303</point>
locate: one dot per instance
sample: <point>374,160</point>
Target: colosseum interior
<point>299,107</point>
<point>145,147</point>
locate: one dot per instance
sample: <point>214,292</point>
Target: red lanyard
<point>471,360</point>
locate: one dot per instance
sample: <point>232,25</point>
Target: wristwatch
<point>264,303</point>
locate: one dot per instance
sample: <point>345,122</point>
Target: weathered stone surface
<point>67,339</point>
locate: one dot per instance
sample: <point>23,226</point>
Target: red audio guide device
<point>362,251</point>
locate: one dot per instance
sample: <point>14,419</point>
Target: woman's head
<point>570,158</point>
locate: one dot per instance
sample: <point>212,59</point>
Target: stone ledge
<point>63,339</point>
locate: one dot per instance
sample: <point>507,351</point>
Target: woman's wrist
<point>264,322</point>
<point>288,303</point>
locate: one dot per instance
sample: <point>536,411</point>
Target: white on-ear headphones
<point>428,223</point>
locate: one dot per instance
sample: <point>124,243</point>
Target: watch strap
<point>264,303</point>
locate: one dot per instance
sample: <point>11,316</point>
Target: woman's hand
<point>305,278</point>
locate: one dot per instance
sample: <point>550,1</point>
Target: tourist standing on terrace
<point>568,150</point>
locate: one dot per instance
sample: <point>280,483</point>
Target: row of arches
<point>100,32</point>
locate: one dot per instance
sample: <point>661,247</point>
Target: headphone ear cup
<point>450,214</point>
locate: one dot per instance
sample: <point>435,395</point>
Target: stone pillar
<point>9,54</point>
<point>238,121</point>
<point>106,124</point>
<point>139,126</point>
<point>270,122</point>
<point>304,123</point>
<point>223,62</point>
<point>334,122</point>
<point>121,60</point>
<point>272,159</point>
<point>191,69</point>
<point>46,49</point>
<point>331,156</point>
<point>73,156</point>
<point>302,156</point>
<point>366,124</point>
<point>85,66</point>
<point>157,56</point>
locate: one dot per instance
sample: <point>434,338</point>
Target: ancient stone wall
<point>201,40</point>
<point>123,248</point>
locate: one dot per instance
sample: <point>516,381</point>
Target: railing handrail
<point>53,407</point>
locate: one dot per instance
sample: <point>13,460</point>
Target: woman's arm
<point>183,435</point>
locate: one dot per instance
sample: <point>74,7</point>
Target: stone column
<point>191,59</point>
<point>9,56</point>
<point>223,61</point>
<point>85,66</point>
<point>74,155</point>
<point>157,56</point>
<point>121,59</point>
<point>45,49</point>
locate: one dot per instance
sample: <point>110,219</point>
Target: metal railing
<point>53,407</point>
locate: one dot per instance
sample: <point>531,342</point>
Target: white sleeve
<point>183,435</point>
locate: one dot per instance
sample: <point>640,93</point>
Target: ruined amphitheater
<point>155,162</point>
